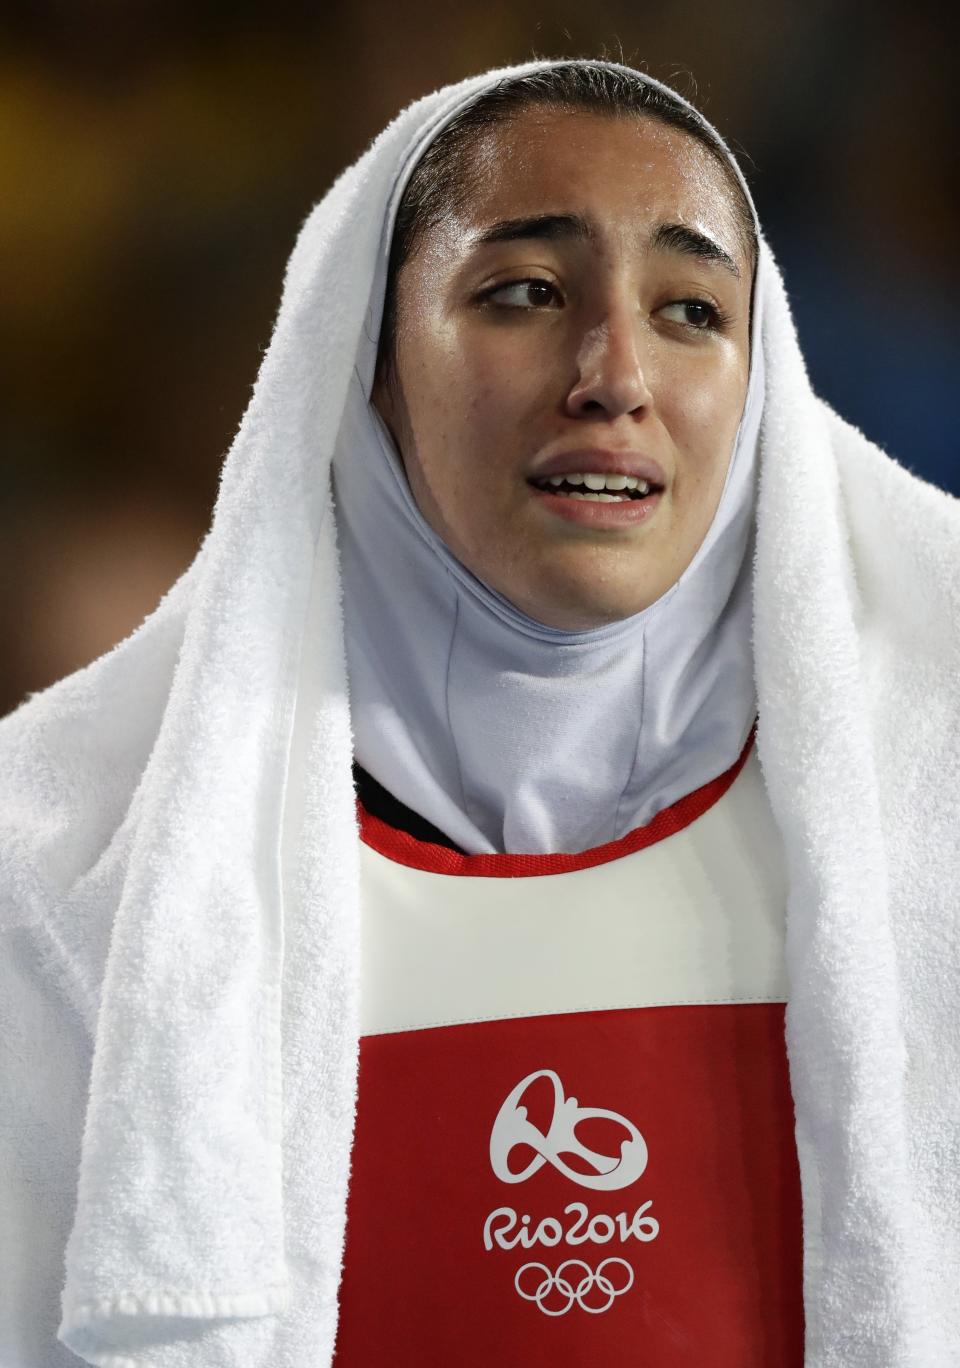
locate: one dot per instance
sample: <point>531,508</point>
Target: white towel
<point>180,889</point>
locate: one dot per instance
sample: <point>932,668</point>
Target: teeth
<point>596,483</point>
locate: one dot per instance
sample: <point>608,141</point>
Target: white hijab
<point>506,734</point>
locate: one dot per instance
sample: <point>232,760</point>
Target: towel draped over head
<point>180,849</point>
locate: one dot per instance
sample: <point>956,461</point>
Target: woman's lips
<point>594,513</point>
<point>600,461</point>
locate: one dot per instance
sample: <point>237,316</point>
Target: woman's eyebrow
<point>549,227</point>
<point>666,237</point>
<point>678,237</point>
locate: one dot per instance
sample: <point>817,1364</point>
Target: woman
<point>583,906</point>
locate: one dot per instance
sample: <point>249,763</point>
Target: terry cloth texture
<point>179,967</point>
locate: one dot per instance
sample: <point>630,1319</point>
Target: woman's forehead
<point>627,173</point>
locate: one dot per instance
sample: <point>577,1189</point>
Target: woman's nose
<point>611,373</point>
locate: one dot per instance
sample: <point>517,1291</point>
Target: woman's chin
<point>578,607</point>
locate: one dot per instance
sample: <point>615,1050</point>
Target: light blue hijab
<point>509,735</point>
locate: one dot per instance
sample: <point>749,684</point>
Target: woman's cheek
<point>703,413</point>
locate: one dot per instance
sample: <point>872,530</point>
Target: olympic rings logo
<point>565,1288</point>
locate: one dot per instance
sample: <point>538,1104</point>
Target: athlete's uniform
<point>574,1136</point>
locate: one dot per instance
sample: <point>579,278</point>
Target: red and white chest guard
<point>574,1139</point>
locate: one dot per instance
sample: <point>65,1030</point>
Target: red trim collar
<point>407,850</point>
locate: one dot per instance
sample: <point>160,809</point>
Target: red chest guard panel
<point>574,1139</point>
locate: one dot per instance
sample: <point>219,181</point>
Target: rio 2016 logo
<point>513,1128</point>
<point>605,1173</point>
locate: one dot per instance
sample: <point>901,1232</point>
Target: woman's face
<point>586,315</point>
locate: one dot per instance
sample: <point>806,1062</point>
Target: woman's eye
<point>524,294</point>
<point>693,313</point>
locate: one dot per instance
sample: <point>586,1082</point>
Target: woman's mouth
<point>595,500</point>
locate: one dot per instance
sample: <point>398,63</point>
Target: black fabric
<point>379,802</point>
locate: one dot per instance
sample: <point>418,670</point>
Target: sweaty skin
<point>618,344</point>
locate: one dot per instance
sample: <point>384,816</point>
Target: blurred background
<point>159,159</point>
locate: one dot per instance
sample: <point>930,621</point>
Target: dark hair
<point>444,179</point>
